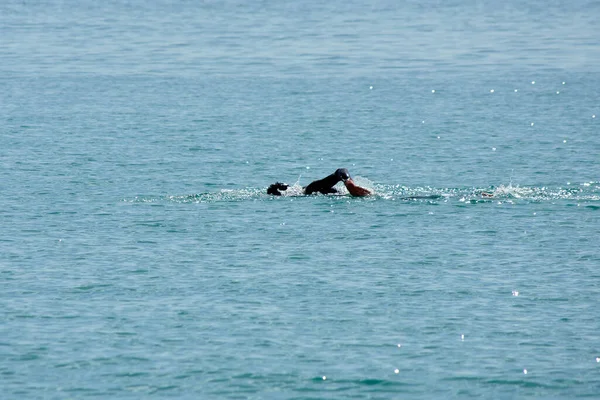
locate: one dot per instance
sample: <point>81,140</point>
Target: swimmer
<point>325,185</point>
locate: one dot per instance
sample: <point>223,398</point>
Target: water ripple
<point>494,194</point>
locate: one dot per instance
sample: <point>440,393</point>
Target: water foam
<point>584,192</point>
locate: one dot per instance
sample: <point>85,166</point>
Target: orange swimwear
<point>355,190</point>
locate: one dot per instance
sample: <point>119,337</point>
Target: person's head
<point>343,174</point>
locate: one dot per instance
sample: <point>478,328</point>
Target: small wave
<point>507,193</point>
<point>585,192</point>
<point>208,197</point>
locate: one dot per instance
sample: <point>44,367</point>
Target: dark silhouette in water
<point>275,188</point>
<point>325,185</point>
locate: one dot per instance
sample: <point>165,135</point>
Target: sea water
<point>140,256</point>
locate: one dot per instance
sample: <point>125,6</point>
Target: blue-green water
<point>141,258</point>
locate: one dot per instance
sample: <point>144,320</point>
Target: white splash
<point>512,191</point>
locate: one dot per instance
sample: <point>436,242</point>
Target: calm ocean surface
<point>141,258</point>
